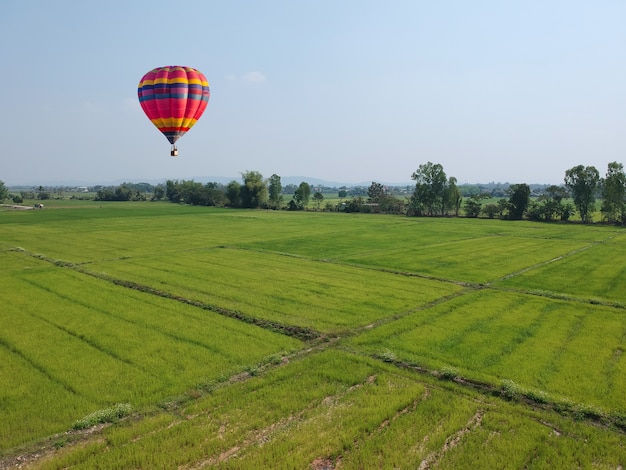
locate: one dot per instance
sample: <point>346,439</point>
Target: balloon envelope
<point>173,98</point>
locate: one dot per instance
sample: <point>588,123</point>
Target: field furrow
<point>299,292</point>
<point>535,342</point>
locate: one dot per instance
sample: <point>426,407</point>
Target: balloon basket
<point>174,152</point>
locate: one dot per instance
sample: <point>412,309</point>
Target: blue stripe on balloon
<point>190,96</point>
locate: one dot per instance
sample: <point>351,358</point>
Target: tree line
<point>252,193</point>
<point>434,195</point>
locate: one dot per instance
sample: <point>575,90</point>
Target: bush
<point>106,415</point>
<point>448,373</point>
<point>510,390</point>
<point>388,356</point>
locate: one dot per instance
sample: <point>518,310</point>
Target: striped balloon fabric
<point>173,98</point>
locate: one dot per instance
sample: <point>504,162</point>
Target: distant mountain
<point>285,180</point>
<point>299,179</point>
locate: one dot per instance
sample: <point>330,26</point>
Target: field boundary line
<point>615,420</point>
<point>406,313</point>
<point>546,263</point>
<point>558,258</point>
<point>302,333</point>
<point>563,296</point>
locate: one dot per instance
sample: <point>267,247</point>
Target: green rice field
<point>155,335</point>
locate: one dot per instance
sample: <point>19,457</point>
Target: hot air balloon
<point>173,98</point>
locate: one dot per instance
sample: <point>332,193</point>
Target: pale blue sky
<point>350,91</point>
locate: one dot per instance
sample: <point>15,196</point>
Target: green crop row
<point>95,344</point>
<point>598,273</point>
<point>295,291</point>
<point>565,349</point>
<point>477,260</point>
<point>336,409</point>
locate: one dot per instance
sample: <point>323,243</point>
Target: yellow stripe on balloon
<point>173,122</point>
<point>197,81</point>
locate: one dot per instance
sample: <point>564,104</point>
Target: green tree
<point>191,192</point>
<point>214,194</point>
<point>490,210</point>
<point>253,191</point>
<point>4,191</point>
<point>354,205</point>
<point>123,193</point>
<point>275,190</point>
<point>158,192</point>
<point>430,188</point>
<point>172,191</point>
<point>197,194</point>
<point>583,182</point>
<point>233,194</point>
<point>473,204</point>
<point>453,197</point>
<point>614,194</point>
<point>519,197</point>
<point>566,211</point>
<point>301,196</point>
<point>551,200</point>
<point>535,211</point>
<point>503,206</point>
<point>376,192</point>
<point>318,197</point>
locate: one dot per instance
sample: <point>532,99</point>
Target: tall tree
<point>430,188</point>
<point>301,196</point>
<point>158,192</point>
<point>614,194</point>
<point>453,197</point>
<point>376,192</point>
<point>275,191</point>
<point>583,183</point>
<point>233,194</point>
<point>172,191</point>
<point>253,190</point>
<point>519,197</point>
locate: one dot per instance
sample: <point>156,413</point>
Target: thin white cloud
<point>254,77</point>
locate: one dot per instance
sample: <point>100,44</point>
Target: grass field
<point>251,339</point>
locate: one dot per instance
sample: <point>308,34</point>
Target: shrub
<point>106,415</point>
<point>388,356</point>
<point>448,373</point>
<point>510,390</point>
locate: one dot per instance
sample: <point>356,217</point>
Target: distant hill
<point>299,179</point>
